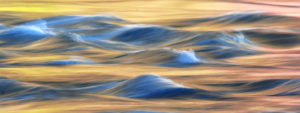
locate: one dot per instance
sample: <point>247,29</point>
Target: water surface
<point>160,56</point>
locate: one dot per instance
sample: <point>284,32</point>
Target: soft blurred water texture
<point>142,56</point>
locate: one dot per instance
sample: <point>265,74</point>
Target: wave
<point>15,90</point>
<point>78,21</point>
<point>130,38</point>
<point>236,18</point>
<point>163,57</point>
<point>250,17</point>
<point>273,37</point>
<point>148,86</point>
<point>220,45</point>
<point>105,44</point>
<point>23,34</point>
<point>142,43</point>
<point>271,87</point>
<point>141,87</point>
<point>30,31</point>
<point>229,53</point>
<point>135,34</point>
<point>60,43</point>
<point>150,35</point>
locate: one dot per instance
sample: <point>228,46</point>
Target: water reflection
<point>138,56</point>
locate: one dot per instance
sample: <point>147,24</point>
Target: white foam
<point>186,56</point>
<point>31,29</point>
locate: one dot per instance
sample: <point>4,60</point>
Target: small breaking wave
<point>151,86</point>
<point>141,87</point>
<point>164,57</point>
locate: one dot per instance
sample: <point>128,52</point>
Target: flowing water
<point>140,56</point>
